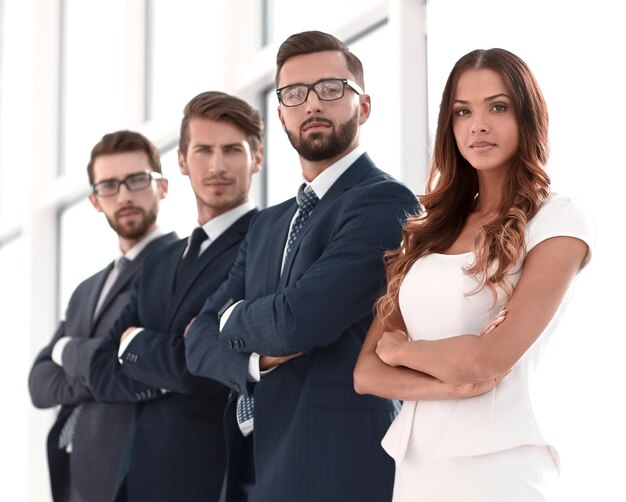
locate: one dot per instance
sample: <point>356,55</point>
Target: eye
<point>108,185</point>
<point>461,112</point>
<point>294,93</point>
<point>499,107</point>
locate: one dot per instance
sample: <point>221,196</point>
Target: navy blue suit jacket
<point>175,450</point>
<point>314,437</point>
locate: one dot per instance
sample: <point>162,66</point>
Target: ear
<point>95,202</point>
<point>163,187</point>
<point>365,107</point>
<point>280,117</point>
<point>257,160</point>
<point>182,164</point>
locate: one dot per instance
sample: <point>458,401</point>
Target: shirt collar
<point>218,225</point>
<point>133,252</point>
<point>323,181</point>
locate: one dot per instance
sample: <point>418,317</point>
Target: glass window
<point>14,303</point>
<point>16,110</point>
<point>95,82</point>
<point>286,17</point>
<point>87,245</point>
<point>186,55</point>
<point>178,210</point>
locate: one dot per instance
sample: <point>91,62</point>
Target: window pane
<point>88,244</point>
<point>178,210</point>
<point>186,55</point>
<point>14,306</point>
<point>287,17</point>
<point>16,110</point>
<point>95,77</point>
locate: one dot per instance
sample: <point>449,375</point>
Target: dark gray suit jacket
<point>101,430</point>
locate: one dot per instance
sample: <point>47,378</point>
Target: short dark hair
<point>309,42</point>
<point>215,105</point>
<point>124,142</point>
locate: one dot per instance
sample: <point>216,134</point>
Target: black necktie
<point>198,236</point>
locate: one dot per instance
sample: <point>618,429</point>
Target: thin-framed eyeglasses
<point>327,89</point>
<point>132,182</point>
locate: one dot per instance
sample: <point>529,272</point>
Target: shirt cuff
<point>224,317</point>
<point>57,350</point>
<point>124,344</point>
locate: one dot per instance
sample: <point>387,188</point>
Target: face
<point>483,121</point>
<point>220,163</point>
<point>322,130</point>
<point>131,214</point>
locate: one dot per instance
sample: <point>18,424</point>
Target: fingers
<point>495,322</point>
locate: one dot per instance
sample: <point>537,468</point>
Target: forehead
<point>120,165</point>
<point>478,84</point>
<point>210,132</point>
<point>309,68</point>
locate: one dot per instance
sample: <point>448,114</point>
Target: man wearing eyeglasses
<point>285,330</point>
<point>86,441</point>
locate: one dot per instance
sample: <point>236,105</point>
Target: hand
<point>127,332</point>
<point>476,389</point>
<point>494,322</point>
<point>188,326</point>
<point>267,362</point>
<point>388,345</point>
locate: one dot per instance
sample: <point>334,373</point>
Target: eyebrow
<point>489,98</point>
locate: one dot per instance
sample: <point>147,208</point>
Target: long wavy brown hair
<point>452,187</point>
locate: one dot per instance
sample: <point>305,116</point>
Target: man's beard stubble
<point>135,231</point>
<point>318,148</point>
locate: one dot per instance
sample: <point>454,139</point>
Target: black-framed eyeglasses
<point>133,183</point>
<point>327,89</point>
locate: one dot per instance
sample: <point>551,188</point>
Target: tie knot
<point>123,263</point>
<point>198,236</point>
<point>307,199</point>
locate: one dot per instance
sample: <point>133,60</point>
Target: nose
<point>216,163</point>
<point>123,194</point>
<point>313,104</point>
<point>479,124</point>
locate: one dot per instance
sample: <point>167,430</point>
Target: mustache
<point>315,119</point>
<point>119,212</point>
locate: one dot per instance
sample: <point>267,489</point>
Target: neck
<point>312,169</point>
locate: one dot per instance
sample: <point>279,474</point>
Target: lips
<point>127,212</point>
<point>315,123</point>
<point>482,146</point>
<point>217,183</point>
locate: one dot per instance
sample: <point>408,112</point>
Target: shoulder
<point>561,215</point>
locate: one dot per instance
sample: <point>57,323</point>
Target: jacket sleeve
<point>204,355</point>
<point>107,381</point>
<point>49,384</point>
<point>336,290</point>
<point>158,359</point>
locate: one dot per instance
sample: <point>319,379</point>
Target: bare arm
<point>373,376</point>
<point>548,271</point>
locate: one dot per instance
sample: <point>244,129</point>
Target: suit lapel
<point>360,169</point>
<point>130,272</point>
<point>92,301</point>
<point>232,236</point>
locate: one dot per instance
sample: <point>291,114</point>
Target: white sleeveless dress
<point>490,448</point>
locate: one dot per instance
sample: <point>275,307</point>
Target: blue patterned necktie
<point>307,200</point>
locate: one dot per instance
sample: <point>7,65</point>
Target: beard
<point>322,147</point>
<point>138,230</point>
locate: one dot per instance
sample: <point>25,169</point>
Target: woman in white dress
<point>493,254</point>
